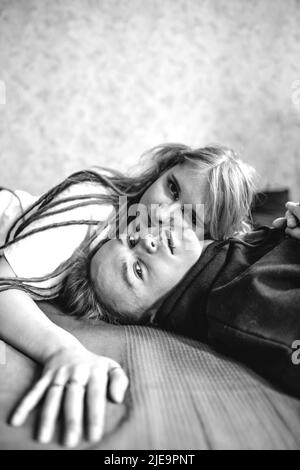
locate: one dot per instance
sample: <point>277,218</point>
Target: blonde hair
<point>227,206</point>
<point>231,188</point>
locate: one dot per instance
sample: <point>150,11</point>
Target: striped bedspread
<point>182,396</point>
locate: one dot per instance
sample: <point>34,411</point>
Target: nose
<point>165,212</point>
<point>150,243</point>
<point>144,240</point>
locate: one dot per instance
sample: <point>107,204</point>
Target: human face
<point>133,274</point>
<point>184,183</point>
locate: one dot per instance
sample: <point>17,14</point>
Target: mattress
<point>182,395</point>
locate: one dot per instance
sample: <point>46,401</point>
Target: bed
<point>182,395</point>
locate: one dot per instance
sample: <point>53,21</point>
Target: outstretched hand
<point>291,220</point>
<point>74,382</point>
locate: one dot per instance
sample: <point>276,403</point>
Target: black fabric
<point>184,311</point>
<point>244,299</point>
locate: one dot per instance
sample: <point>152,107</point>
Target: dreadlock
<point>229,208</point>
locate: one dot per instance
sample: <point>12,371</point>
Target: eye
<point>138,271</point>
<point>173,188</point>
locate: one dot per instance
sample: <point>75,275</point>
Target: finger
<point>51,406</point>
<point>291,220</point>
<point>73,409</point>
<point>293,232</point>
<point>96,401</point>
<point>279,223</point>
<point>31,400</point>
<point>118,384</point>
<point>294,208</point>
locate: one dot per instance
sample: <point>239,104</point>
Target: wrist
<point>57,341</point>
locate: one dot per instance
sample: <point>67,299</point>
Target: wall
<point>100,81</point>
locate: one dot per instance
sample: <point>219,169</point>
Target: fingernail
<point>71,440</point>
<point>119,397</point>
<point>44,437</point>
<point>95,433</point>
<point>16,420</point>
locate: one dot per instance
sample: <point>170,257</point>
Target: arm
<point>24,326</point>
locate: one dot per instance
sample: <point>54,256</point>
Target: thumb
<point>118,383</point>
<point>279,223</point>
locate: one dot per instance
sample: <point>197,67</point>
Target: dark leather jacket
<point>243,297</point>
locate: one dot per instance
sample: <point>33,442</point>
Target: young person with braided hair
<point>60,247</point>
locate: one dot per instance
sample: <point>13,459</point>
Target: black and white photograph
<point>149,227</point>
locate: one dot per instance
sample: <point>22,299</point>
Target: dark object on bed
<point>269,205</point>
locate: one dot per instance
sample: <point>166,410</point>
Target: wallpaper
<point>99,82</point>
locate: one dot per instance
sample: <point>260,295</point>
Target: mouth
<point>170,241</point>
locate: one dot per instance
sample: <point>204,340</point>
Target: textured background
<point>100,81</point>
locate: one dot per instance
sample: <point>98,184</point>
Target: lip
<point>169,240</point>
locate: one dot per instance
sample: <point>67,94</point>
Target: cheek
<point>192,246</point>
<point>147,197</point>
<point>102,263</point>
<point>191,254</point>
<point>167,280</point>
<point>103,271</point>
<point>156,194</point>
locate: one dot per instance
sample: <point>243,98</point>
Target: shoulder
<point>12,205</point>
<point>86,188</point>
<point>260,236</point>
<point>61,230</point>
